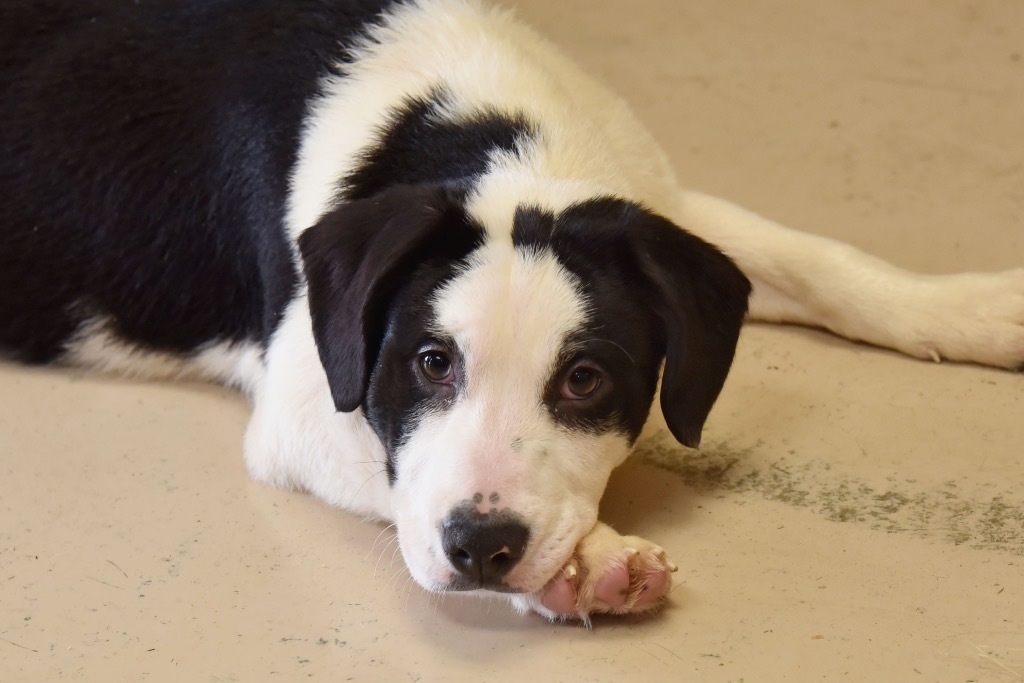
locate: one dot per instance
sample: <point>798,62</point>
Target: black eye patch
<point>416,374</point>
<point>606,378</point>
<point>652,288</point>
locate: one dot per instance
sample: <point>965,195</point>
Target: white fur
<point>296,438</point>
<point>510,313</point>
<point>96,346</point>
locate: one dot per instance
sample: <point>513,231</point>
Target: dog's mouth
<point>464,584</point>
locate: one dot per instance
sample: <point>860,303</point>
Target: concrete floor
<point>854,514</point>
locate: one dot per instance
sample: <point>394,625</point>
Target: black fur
<point>656,292</point>
<point>418,146</point>
<point>145,150</point>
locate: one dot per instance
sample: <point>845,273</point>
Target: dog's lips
<point>534,574</point>
<point>461,584</point>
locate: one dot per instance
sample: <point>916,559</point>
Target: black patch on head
<point>371,266</point>
<point>623,337</point>
<point>145,151</point>
<point>655,291</point>
<point>420,144</point>
<point>364,255</point>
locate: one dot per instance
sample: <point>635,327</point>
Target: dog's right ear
<point>354,258</point>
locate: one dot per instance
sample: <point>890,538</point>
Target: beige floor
<point>855,515</point>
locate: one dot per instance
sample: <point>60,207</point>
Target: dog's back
<point>127,127</point>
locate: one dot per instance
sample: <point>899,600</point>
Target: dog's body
<point>442,261</point>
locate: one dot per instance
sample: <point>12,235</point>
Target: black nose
<point>483,547</point>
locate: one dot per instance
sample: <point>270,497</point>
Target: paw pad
<point>610,574</point>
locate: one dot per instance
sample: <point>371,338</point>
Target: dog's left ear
<point>701,297</point>
<point>355,257</point>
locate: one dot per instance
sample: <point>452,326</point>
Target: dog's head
<point>507,376</point>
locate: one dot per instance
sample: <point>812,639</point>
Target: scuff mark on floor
<point>993,522</point>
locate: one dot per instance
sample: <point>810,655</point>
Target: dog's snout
<point>483,548</point>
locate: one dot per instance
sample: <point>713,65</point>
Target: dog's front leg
<point>608,574</point>
<point>811,280</point>
<point>297,438</point>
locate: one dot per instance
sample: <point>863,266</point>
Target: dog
<point>451,270</point>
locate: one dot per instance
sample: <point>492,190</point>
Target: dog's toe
<point>559,595</point>
<point>970,317</point>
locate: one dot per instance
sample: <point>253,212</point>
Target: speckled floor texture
<point>854,515</point>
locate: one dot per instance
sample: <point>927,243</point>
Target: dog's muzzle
<point>483,547</point>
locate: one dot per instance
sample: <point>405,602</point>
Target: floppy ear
<point>354,259</point>
<point>702,299</point>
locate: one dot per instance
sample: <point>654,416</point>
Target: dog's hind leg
<point>811,280</point>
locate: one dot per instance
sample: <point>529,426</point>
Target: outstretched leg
<point>608,574</point>
<point>811,280</point>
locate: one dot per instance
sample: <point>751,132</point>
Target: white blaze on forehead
<point>509,312</point>
<point>515,181</point>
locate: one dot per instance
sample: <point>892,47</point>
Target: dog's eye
<point>437,367</point>
<point>581,383</point>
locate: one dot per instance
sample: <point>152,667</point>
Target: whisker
<point>355,495</point>
<point>577,346</point>
<point>618,346</point>
<point>438,598</point>
<point>376,566</point>
<point>408,592</point>
<point>376,540</point>
<point>398,575</point>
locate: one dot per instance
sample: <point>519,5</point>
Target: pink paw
<point>610,574</point>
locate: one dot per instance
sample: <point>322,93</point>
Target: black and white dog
<point>443,262</point>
